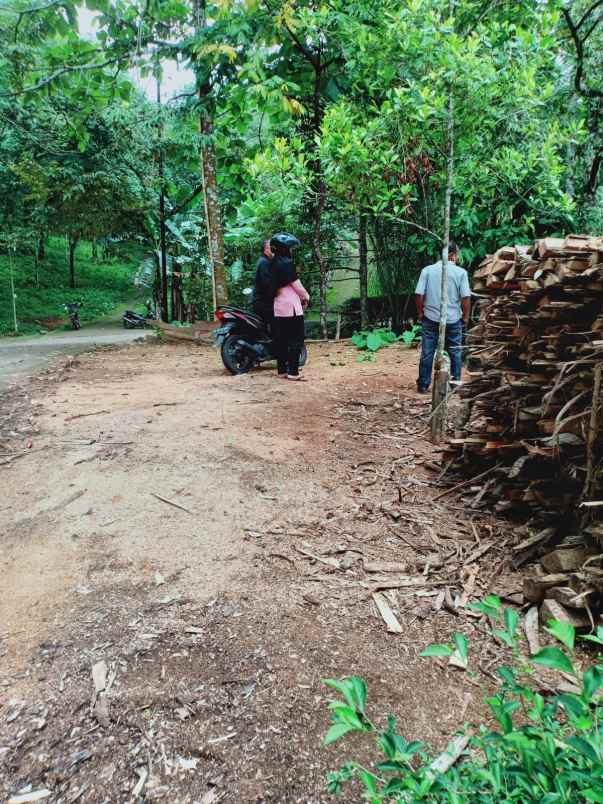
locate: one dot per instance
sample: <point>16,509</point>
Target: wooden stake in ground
<point>439,405</point>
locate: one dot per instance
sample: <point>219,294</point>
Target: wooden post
<point>439,402</point>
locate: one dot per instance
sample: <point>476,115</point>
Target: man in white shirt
<point>428,297</point>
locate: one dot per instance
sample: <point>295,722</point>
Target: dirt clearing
<point>212,545</point>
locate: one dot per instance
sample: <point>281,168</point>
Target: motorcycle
<point>132,320</point>
<point>244,340</point>
<point>72,309</point>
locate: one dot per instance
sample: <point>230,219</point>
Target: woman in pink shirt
<point>289,302</point>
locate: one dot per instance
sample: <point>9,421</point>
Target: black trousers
<point>288,340</point>
<point>265,312</point>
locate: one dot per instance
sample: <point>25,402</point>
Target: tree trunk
<point>213,211</point>
<point>12,291</point>
<point>94,250</point>
<point>73,241</point>
<point>593,175</point>
<point>322,268</point>
<point>439,405</point>
<point>319,190</point>
<point>162,230</point>
<point>363,269</point>
<point>211,197</point>
<point>41,246</point>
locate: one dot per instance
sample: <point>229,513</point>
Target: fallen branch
<point>451,755</point>
<point>83,415</point>
<point>171,502</point>
<point>466,482</point>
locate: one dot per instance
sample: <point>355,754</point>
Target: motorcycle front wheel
<point>235,358</point>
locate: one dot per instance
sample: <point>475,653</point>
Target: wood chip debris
<point>305,550</point>
<point>393,626</point>
<point>33,795</point>
<point>385,566</point>
<point>530,627</point>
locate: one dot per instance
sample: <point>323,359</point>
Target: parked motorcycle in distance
<point>132,320</point>
<point>72,309</point>
<point>244,340</point>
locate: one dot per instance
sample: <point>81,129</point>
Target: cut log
<point>551,610</point>
<point>535,587</point>
<point>565,560</point>
<point>567,597</point>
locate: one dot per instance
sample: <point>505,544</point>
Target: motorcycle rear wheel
<point>236,359</point>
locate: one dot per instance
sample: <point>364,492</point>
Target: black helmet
<point>282,243</point>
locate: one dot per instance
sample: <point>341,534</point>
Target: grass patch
<point>103,287</point>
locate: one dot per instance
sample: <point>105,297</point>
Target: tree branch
<point>579,48</point>
<point>197,191</point>
<point>587,13</point>
<point>58,73</point>
<point>307,54</point>
<point>416,225</point>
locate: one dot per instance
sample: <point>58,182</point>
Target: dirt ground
<point>210,538</point>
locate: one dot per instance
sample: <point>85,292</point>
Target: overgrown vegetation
<point>330,120</point>
<point>546,749</point>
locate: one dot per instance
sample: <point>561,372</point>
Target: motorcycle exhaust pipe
<point>252,347</point>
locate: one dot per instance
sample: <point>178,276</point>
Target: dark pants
<point>265,312</point>
<point>288,340</point>
<point>429,342</point>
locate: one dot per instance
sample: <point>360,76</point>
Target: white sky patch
<point>175,79</point>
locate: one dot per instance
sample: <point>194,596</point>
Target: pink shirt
<point>288,301</point>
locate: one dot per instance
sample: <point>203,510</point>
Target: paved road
<point>20,357</point>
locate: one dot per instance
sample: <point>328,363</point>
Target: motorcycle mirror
<point>247,291</point>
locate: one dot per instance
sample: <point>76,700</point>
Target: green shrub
<point>546,750</point>
<point>412,336</point>
<point>370,341</point>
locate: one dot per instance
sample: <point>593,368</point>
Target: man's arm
<point>420,294</point>
<point>466,308</point>
<point>465,297</point>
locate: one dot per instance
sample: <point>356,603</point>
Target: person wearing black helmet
<point>290,300</point>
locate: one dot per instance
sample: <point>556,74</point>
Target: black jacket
<point>263,291</point>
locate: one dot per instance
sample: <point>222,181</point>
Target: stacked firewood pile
<point>533,422</point>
